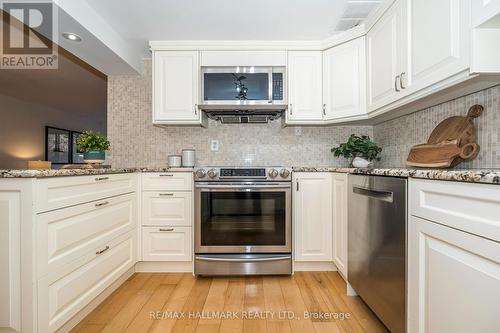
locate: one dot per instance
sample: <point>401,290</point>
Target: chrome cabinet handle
<point>103,250</point>
<point>324,109</point>
<point>101,204</point>
<point>196,109</point>
<point>401,78</point>
<point>297,186</point>
<point>101,179</point>
<point>165,194</point>
<point>166,175</point>
<point>167,229</point>
<point>396,83</point>
<point>291,109</point>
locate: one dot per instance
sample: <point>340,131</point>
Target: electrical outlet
<point>214,145</point>
<point>297,131</point>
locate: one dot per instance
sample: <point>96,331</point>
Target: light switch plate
<point>214,145</point>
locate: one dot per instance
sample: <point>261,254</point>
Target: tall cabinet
<point>312,216</point>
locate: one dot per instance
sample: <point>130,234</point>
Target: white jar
<point>188,157</point>
<point>174,161</point>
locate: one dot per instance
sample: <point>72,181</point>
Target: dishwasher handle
<point>375,194</point>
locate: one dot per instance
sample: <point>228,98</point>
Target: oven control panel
<point>243,173</point>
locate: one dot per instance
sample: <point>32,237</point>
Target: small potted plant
<point>360,150</point>
<point>93,146</point>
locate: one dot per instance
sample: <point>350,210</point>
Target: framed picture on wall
<point>76,155</point>
<point>57,145</point>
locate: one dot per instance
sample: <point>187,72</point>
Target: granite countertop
<point>26,173</point>
<point>491,176</point>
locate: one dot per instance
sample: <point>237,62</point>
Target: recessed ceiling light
<point>72,37</point>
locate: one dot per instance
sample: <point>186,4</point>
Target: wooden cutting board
<point>450,143</point>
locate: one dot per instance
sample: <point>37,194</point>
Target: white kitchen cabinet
<point>386,49</point>
<point>438,41</point>
<point>167,244</point>
<point>305,87</point>
<point>176,76</point>
<point>167,181</point>
<point>340,206</point>
<point>167,208</point>
<point>312,216</point>
<point>344,80</point>
<point>453,280</point>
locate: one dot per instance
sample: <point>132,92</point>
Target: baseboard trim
<point>70,324</point>
<point>314,266</point>
<point>164,267</point>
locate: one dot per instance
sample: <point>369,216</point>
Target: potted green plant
<point>93,146</point>
<point>359,150</point>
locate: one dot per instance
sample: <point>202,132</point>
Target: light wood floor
<point>130,307</point>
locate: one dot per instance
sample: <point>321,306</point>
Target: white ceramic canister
<point>188,157</point>
<point>174,161</point>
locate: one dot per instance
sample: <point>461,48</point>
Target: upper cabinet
<point>305,91</point>
<point>176,76</point>
<point>344,77</point>
<point>385,58</point>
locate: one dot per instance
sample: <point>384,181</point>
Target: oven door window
<point>243,218</point>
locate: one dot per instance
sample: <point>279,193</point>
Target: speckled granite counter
<point>470,176</point>
<point>25,173</point>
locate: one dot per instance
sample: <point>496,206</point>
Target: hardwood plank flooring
<point>179,302</point>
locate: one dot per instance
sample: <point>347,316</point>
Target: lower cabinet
<point>340,206</point>
<point>453,280</point>
<point>312,215</point>
<point>167,244</point>
<point>67,290</point>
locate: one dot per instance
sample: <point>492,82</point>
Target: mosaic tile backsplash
<point>135,142</point>
<point>397,136</point>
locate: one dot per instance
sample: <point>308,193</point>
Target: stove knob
<point>273,173</point>
<point>200,173</point>
<point>284,173</point>
<point>212,173</point>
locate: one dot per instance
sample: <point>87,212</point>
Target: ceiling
<point>142,21</point>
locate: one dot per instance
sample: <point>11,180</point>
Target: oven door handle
<point>243,259</point>
<point>247,186</point>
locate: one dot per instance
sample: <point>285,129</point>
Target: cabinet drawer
<point>464,206</point>
<point>167,181</point>
<point>167,244</point>
<point>60,192</point>
<point>67,290</point>
<point>66,234</point>
<point>167,208</point>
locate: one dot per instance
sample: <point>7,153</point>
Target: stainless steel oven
<point>243,222</point>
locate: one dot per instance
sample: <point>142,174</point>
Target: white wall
<point>22,129</point>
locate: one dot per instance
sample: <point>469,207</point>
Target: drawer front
<point>473,208</point>
<point>64,292</point>
<point>167,244</point>
<point>60,192</point>
<point>167,208</point>
<point>67,234</point>
<point>167,181</point>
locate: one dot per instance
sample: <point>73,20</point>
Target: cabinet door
<point>344,80</point>
<point>438,41</point>
<point>167,208</point>
<point>167,244</point>
<point>304,81</point>
<point>384,47</point>
<point>340,205</point>
<point>451,273</point>
<point>175,87</point>
<point>312,212</point>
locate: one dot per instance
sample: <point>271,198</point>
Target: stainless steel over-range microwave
<point>243,86</point>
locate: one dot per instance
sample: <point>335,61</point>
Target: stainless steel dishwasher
<point>377,233</point>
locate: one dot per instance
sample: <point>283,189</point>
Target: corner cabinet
<point>344,77</point>
<point>176,76</point>
<point>312,216</point>
<point>305,87</point>
<point>340,206</point>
